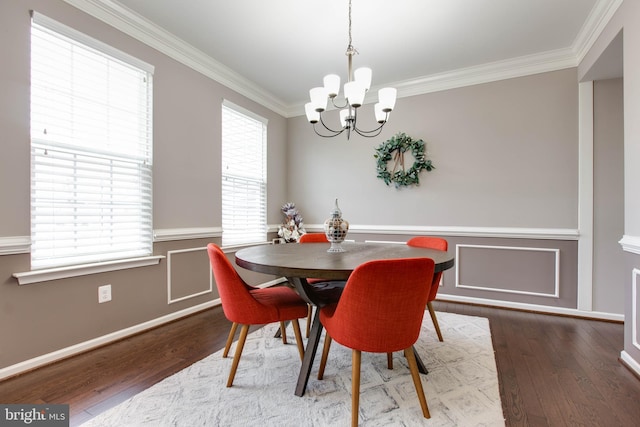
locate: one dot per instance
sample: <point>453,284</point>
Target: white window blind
<point>244,176</point>
<point>91,149</point>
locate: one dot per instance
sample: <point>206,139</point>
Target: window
<point>91,149</point>
<point>244,176</point>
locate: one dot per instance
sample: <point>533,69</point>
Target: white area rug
<point>461,387</point>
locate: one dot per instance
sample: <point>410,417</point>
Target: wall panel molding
<point>486,287</point>
<point>635,284</point>
<point>172,285</point>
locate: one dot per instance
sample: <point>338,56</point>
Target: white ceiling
<point>285,47</point>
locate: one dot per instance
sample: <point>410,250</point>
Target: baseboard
<point>73,350</point>
<point>630,363</point>
<point>533,307</point>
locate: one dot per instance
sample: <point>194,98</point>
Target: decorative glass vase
<point>335,228</point>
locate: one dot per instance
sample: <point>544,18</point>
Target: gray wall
<point>608,159</point>
<point>505,156</point>
<point>41,318</point>
<point>631,13</point>
<point>625,21</point>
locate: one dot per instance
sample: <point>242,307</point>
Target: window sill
<point>47,274</point>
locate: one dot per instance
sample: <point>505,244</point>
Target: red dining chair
<point>440,245</point>
<point>313,238</point>
<point>234,328</point>
<point>245,306</point>
<point>380,311</point>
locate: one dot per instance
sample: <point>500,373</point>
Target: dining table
<point>299,262</point>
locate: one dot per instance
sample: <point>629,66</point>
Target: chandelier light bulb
<point>312,115</point>
<point>381,116</point>
<point>363,76</point>
<point>332,85</point>
<point>318,98</point>
<point>354,92</point>
<point>387,98</point>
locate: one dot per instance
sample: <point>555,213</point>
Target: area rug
<point>461,386</point>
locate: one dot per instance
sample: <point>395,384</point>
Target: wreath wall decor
<point>393,150</point>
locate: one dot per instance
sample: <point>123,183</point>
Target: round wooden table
<point>298,262</point>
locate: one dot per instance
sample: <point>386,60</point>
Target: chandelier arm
<point>370,133</point>
<point>333,101</point>
<point>367,133</point>
<point>336,133</point>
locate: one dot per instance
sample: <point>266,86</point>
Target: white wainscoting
<point>488,287</point>
<point>172,258</point>
<point>634,308</point>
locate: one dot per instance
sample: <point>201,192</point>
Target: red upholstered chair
<point>246,306</point>
<point>313,238</point>
<point>440,245</point>
<point>380,311</point>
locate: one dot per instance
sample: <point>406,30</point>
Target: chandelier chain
<point>357,85</point>
<point>350,41</point>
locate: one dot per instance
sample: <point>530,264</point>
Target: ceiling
<point>279,49</point>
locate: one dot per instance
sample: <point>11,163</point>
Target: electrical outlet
<point>104,293</point>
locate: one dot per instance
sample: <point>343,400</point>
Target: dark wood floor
<point>553,371</point>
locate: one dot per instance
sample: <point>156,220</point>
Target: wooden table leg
<point>309,355</point>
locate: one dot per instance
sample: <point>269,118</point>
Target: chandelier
<point>358,83</point>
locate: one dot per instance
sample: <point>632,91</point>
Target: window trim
<point>47,274</point>
<point>265,166</point>
<point>141,258</point>
<point>78,36</point>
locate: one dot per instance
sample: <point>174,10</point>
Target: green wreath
<point>393,150</point>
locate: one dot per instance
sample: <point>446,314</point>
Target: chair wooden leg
<point>434,319</point>
<point>325,355</point>
<point>283,332</point>
<point>298,334</point>
<point>232,334</point>
<point>413,367</point>
<point>356,357</point>
<point>309,317</point>
<point>238,353</point>
<point>389,360</point>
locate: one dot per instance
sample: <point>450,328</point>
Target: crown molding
<point>485,73</point>
<point>598,19</point>
<point>132,24</point>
